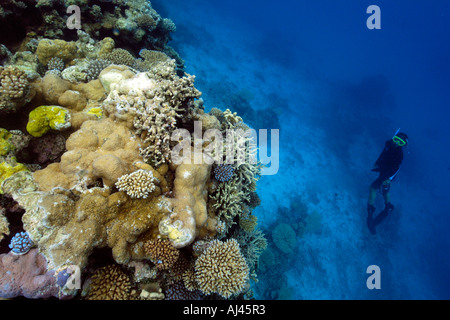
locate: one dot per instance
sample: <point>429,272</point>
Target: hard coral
<point>222,269</point>
<point>15,90</point>
<point>109,283</point>
<point>119,56</point>
<point>189,205</point>
<point>95,67</point>
<point>152,102</point>
<point>161,252</point>
<point>44,118</point>
<point>48,49</point>
<point>138,184</point>
<point>223,172</point>
<point>21,243</point>
<point>100,149</point>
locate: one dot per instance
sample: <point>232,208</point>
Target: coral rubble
<point>89,122</point>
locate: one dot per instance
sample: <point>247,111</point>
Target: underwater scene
<point>224,150</point>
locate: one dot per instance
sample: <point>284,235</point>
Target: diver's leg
<point>388,207</point>
<point>372,196</point>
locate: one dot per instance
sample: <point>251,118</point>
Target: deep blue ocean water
<point>336,90</point>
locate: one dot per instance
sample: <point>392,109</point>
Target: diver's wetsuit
<point>388,163</point>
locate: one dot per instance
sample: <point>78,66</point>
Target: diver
<point>388,165</point>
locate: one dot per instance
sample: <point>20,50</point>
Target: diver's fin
<point>370,222</point>
<point>371,225</point>
<point>383,214</point>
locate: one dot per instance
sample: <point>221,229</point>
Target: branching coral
<point>222,269</point>
<point>161,252</point>
<point>154,101</point>
<point>109,283</point>
<point>138,184</point>
<point>119,56</point>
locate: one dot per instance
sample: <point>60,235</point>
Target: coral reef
<point>88,175</point>
<point>44,118</point>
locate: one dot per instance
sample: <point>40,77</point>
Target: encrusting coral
<point>87,141</point>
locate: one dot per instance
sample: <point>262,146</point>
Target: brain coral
<point>222,269</point>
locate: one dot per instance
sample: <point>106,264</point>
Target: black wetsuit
<point>388,163</point>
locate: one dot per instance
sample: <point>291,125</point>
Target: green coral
<point>44,118</point>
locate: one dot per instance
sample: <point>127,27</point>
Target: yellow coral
<point>5,146</point>
<point>44,118</point>
<point>96,111</point>
<point>8,169</point>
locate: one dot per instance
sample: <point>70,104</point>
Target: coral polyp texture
<point>223,172</point>
<point>93,124</point>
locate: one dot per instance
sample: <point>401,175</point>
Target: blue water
<point>336,91</point>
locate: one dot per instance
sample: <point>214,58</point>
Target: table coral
<point>284,238</point>
<point>222,269</point>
